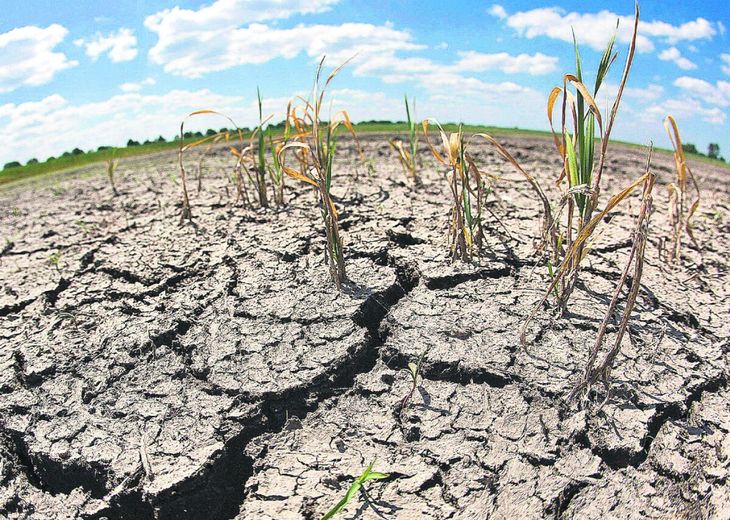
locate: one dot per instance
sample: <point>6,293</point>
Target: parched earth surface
<point>156,370</point>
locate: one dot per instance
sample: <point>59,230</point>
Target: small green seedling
<point>55,260</point>
<point>360,481</point>
<point>414,370</point>
<point>85,228</point>
<point>261,168</point>
<point>407,155</point>
<point>276,171</point>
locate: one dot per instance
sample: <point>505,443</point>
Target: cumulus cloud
<point>228,33</point>
<point>717,94</point>
<point>534,64</point>
<point>109,122</point>
<point>435,77</point>
<point>688,108</point>
<point>197,53</point>
<point>594,29</point>
<point>725,58</point>
<point>136,87</point>
<point>119,45</point>
<point>672,54</point>
<point>498,11</point>
<point>27,57</point>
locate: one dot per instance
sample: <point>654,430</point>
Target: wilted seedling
<point>360,481</point>
<point>186,210</point>
<point>199,177</point>
<point>635,264</point>
<point>111,167</point>
<point>407,155</point>
<point>414,371</point>
<point>275,170</point>
<point>680,212</point>
<point>469,189</point>
<point>313,146</point>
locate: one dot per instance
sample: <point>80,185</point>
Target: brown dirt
<point>222,353</point>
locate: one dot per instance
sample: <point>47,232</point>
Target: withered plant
<point>313,147</point>
<point>275,170</point>
<point>567,246</point>
<point>187,213</point>
<point>468,189</point>
<point>201,158</point>
<point>576,148</point>
<point>111,167</point>
<point>680,210</point>
<point>595,372</point>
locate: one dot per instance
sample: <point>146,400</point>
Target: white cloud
<point>198,53</point>
<point>595,29</point>
<point>109,122</point>
<point>688,108</point>
<point>726,63</point>
<point>27,57</point>
<point>608,92</point>
<point>534,65</point>
<point>435,77</point>
<point>498,11</point>
<point>673,54</point>
<point>699,29</point>
<point>717,94</point>
<point>228,33</point>
<point>120,45</point>
<point>136,87</point>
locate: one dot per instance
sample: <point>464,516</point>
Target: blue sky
<point>86,73</point>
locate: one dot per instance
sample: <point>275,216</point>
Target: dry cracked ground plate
<point>151,370</point>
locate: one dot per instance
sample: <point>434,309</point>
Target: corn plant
<point>414,371</point>
<point>566,248</point>
<point>261,170</point>
<point>635,263</point>
<point>356,486</point>
<point>201,158</point>
<point>55,260</point>
<point>407,153</point>
<point>111,166</point>
<point>468,188</point>
<point>187,213</point>
<point>577,151</point>
<point>275,170</point>
<point>313,146</point>
<point>680,211</point>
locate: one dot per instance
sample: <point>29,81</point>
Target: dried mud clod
<point>158,371</point>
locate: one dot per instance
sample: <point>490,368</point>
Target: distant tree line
<point>713,150</point>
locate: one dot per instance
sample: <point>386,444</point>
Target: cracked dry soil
<point>213,371</point>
